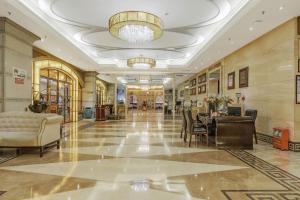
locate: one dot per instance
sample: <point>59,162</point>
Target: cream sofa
<point>28,130</point>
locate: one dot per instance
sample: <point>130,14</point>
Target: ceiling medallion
<point>141,62</point>
<point>136,26</point>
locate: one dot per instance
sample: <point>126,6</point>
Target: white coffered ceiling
<point>196,32</point>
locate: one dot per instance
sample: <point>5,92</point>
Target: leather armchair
<point>234,132</point>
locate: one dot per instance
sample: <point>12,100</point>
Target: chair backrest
<point>189,120</point>
<point>234,111</point>
<point>251,113</point>
<point>183,118</point>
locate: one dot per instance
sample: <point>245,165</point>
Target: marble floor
<point>143,157</point>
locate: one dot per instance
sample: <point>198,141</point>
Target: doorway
<point>55,90</point>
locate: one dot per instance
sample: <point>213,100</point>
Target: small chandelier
<point>141,62</point>
<point>135,26</point>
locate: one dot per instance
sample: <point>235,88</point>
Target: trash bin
<point>88,113</point>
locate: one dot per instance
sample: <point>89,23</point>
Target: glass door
<point>67,102</point>
<point>56,86</point>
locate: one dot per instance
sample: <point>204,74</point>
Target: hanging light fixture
<point>135,26</point>
<point>141,62</point>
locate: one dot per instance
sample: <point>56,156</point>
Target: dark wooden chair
<point>183,127</point>
<point>253,114</point>
<point>194,128</point>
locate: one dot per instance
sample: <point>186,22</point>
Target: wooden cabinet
<point>100,113</point>
<point>281,138</point>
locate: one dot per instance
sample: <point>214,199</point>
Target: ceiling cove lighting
<point>135,26</point>
<point>141,62</point>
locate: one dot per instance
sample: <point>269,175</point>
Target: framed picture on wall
<point>203,89</point>
<point>194,82</point>
<point>298,65</point>
<point>244,77</point>
<point>202,78</point>
<point>231,81</point>
<point>298,89</point>
<point>199,90</point>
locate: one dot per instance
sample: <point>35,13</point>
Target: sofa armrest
<point>50,129</point>
<point>54,119</point>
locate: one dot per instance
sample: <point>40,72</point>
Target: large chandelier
<point>141,62</point>
<point>135,26</point>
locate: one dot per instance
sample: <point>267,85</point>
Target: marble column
<point>15,59</point>
<point>89,90</point>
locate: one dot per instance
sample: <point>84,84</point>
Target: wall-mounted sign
<point>19,76</point>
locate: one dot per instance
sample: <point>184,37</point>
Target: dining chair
<point>194,128</point>
<point>253,114</point>
<point>183,127</point>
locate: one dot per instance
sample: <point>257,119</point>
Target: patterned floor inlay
<point>287,180</point>
<point>2,192</point>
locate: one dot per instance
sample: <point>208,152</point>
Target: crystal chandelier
<point>141,62</point>
<point>135,26</point>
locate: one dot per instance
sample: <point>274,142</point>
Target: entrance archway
<point>62,87</point>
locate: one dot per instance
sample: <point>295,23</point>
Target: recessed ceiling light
<point>230,41</point>
<point>251,28</point>
<point>187,55</point>
<point>281,7</point>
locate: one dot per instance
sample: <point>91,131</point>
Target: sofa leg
<point>41,151</point>
<point>57,144</point>
<point>19,151</point>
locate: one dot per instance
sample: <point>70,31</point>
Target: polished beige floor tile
<point>143,157</point>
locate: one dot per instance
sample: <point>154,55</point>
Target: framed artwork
<point>194,82</point>
<point>244,77</point>
<point>231,81</point>
<point>203,89</point>
<point>199,89</point>
<point>298,65</point>
<point>193,91</point>
<point>202,78</point>
<point>298,89</point>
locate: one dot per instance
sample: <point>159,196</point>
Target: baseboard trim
<point>293,146</point>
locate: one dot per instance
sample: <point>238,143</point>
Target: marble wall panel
<point>271,77</point>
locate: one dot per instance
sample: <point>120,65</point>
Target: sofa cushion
<point>18,139</point>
